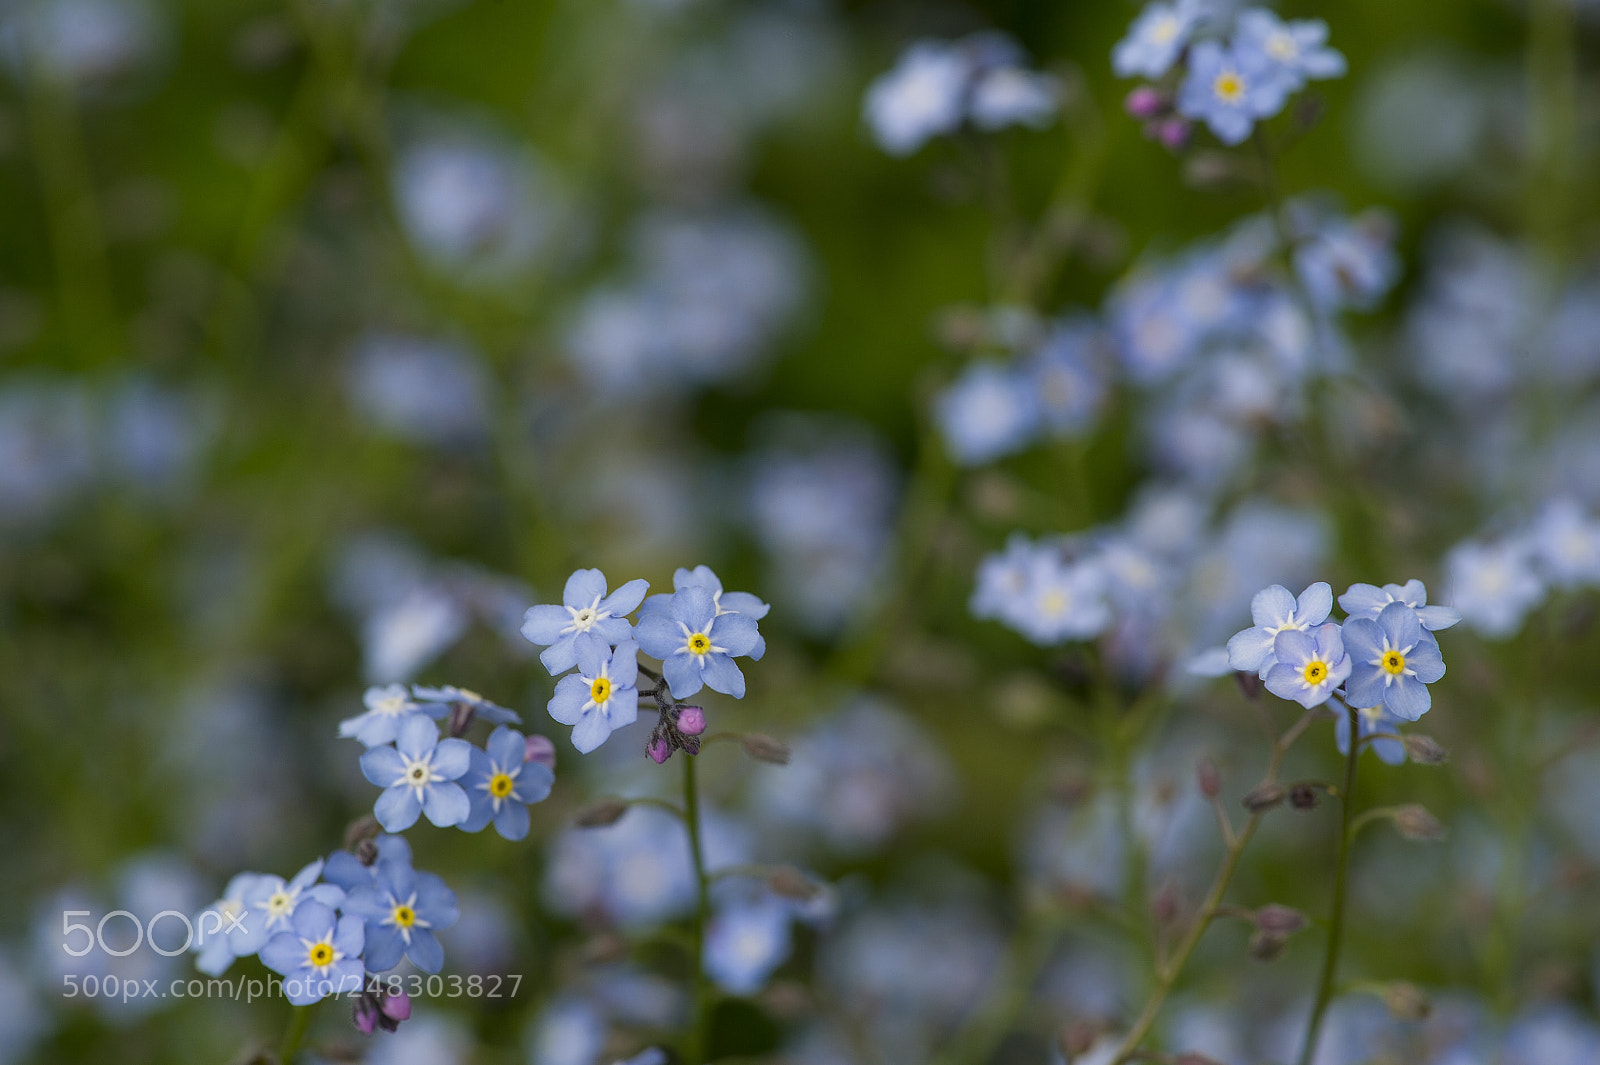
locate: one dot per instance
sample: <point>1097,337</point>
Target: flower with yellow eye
<point>1393,661</point>
<point>403,909</point>
<point>696,645</point>
<point>1309,665</point>
<point>602,697</point>
<point>1230,88</point>
<point>320,955</point>
<point>502,782</point>
<point>272,900</point>
<point>1275,610</point>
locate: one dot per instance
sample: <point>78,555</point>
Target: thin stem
<point>1211,908</point>
<point>694,1052</point>
<point>294,1034</point>
<point>1330,958</point>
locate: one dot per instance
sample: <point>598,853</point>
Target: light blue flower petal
<point>397,809</point>
<point>693,607</point>
<point>425,952</point>
<point>723,676</point>
<point>417,736</point>
<point>1434,618</point>
<point>535,781</point>
<point>1363,600</point>
<point>1248,647</point>
<point>1407,698</point>
<point>584,588</point>
<point>559,656</point>
<point>384,946</point>
<point>452,758</point>
<point>506,746</point>
<point>737,632</point>
<point>382,766</point>
<point>744,603</point>
<point>512,820</point>
<point>566,706</point>
<point>445,805</point>
<point>312,920</point>
<point>283,953</point>
<point>1294,648</point>
<point>625,600</point>
<point>591,731</point>
<point>1314,604</point>
<point>658,635</point>
<point>682,675</point>
<point>349,936</point>
<point>543,624</point>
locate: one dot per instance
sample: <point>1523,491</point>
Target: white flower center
<point>585,618</point>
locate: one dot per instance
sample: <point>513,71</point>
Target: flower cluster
<point>938,85</point>
<point>696,633</point>
<point>1229,77</point>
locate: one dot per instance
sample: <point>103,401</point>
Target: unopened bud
<point>1425,750</point>
<point>1173,133</point>
<point>1267,946</point>
<point>1414,822</point>
<point>1303,797</point>
<point>1076,1038</point>
<point>691,720</point>
<point>602,813</point>
<point>364,1014</point>
<point>1164,907</point>
<point>1263,796</point>
<point>540,750</point>
<point>1283,920</point>
<point>367,852</point>
<point>461,717</point>
<point>396,1006</point>
<point>1209,778</point>
<point>362,828</point>
<point>659,749</point>
<point>791,883</point>
<point>764,748</point>
<point>1407,1001</point>
<point>1145,102</point>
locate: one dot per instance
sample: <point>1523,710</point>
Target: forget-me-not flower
<point>604,694</point>
<point>1229,89</point>
<point>320,955</point>
<point>276,899</point>
<point>1155,40</point>
<point>1368,601</point>
<point>1308,665</point>
<point>502,782</point>
<point>988,412</point>
<point>921,98</point>
<point>746,941</point>
<point>1392,662</point>
<point>724,602</point>
<point>386,706</point>
<point>1494,585</point>
<point>403,909</point>
<point>1065,600</point>
<point>227,929</point>
<point>696,645</point>
<point>418,775</point>
<point>1565,540</point>
<point>434,700</point>
<point>348,871</point>
<point>587,615</point>
<point>1275,610</point>
<point>1296,51</point>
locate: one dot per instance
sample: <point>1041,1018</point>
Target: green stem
<point>695,1046</point>
<point>1341,878</point>
<point>294,1034</point>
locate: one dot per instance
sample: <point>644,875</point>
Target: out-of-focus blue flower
<point>347,871</point>
<point>1230,89</point>
<point>1064,378</point>
<point>1002,584</point>
<point>696,645</point>
<point>724,602</point>
<point>80,42</point>
<point>1066,600</point>
<point>386,708</point>
<point>426,390</point>
<point>418,775</point>
<point>46,449</point>
<point>1152,336</point>
<point>1155,40</point>
<point>405,634</point>
<point>1296,51</point>
<point>274,901</point>
<point>1348,263</point>
<point>569,1031</point>
<point>1307,666</point>
<point>746,941</point>
<point>319,956</point>
<point>1550,1034</point>
<point>920,98</point>
<point>227,929</point>
<point>438,702</point>
<point>1368,601</point>
<point>989,411</point>
<point>1493,585</point>
<point>1011,96</point>
<point>1275,610</point>
<point>603,696</point>
<point>1565,540</point>
<point>587,616</point>
<point>403,911</point>
<point>1392,662</point>
<point>1372,721</point>
<point>501,784</point>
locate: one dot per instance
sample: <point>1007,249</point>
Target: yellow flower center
<point>320,955</point>
<point>1393,662</point>
<point>1316,673</point>
<point>1229,87</point>
<point>1164,30</point>
<point>1281,47</point>
<point>405,916</point>
<point>500,785</point>
<point>600,690</point>
<point>1054,603</point>
<point>699,643</point>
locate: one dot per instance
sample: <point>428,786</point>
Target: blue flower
<point>696,645</point>
<point>1011,96</point>
<point>1065,600</point>
<point>418,774</point>
<point>1494,585</point>
<point>403,909</point>
<point>276,899</point>
<point>1308,665</point>
<point>320,955</point>
<point>1566,542</point>
<point>1372,721</point>
<point>1274,610</point>
<point>1063,376</point>
<point>587,616</point>
<point>437,702</point>
<point>501,784</point>
<point>745,943</point>
<point>1296,51</point>
<point>604,695</point>
<point>386,706</point>
<point>348,871</point>
<point>1368,601</point>
<point>1348,264</point>
<point>921,98</point>
<point>1155,40</point>
<point>1392,662</point>
<point>988,412</point>
<point>1229,89</point>
<point>227,929</point>
<point>724,602</point>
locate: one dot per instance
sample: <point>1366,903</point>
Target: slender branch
<point>695,1044</point>
<point>1330,957</point>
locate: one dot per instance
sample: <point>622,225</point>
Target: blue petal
<point>506,746</point>
<point>543,624</point>
<point>566,706</point>
<point>382,766</point>
<point>482,810</point>
<point>744,603</point>
<point>451,758</point>
<point>1314,604</point>
<point>1407,698</point>
<point>1248,647</point>
<point>1294,648</point>
<point>737,632</point>
<point>658,635</point>
<point>417,736</point>
<point>306,876</point>
<point>512,820</point>
<point>1399,623</point>
<point>624,672</point>
<point>535,782</point>
<point>559,656</point>
<point>693,607</point>
<point>723,676</point>
<point>583,588</point>
<point>625,600</point>
<point>312,920</point>
<point>1363,600</point>
<point>349,937</point>
<point>445,804</point>
<point>1365,686</point>
<point>436,902</point>
<point>366,901</point>
<point>591,731</point>
<point>397,809</point>
<point>425,952</point>
<point>283,953</point>
<point>1285,682</point>
<point>1363,641</point>
<point>1434,618</point>
<point>682,674</point>
<point>384,947</point>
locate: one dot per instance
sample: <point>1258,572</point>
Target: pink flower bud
<point>1173,133</point>
<point>659,750</point>
<point>691,721</point>
<point>397,1006</point>
<point>364,1015</point>
<point>1145,102</point>
<point>541,750</point>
